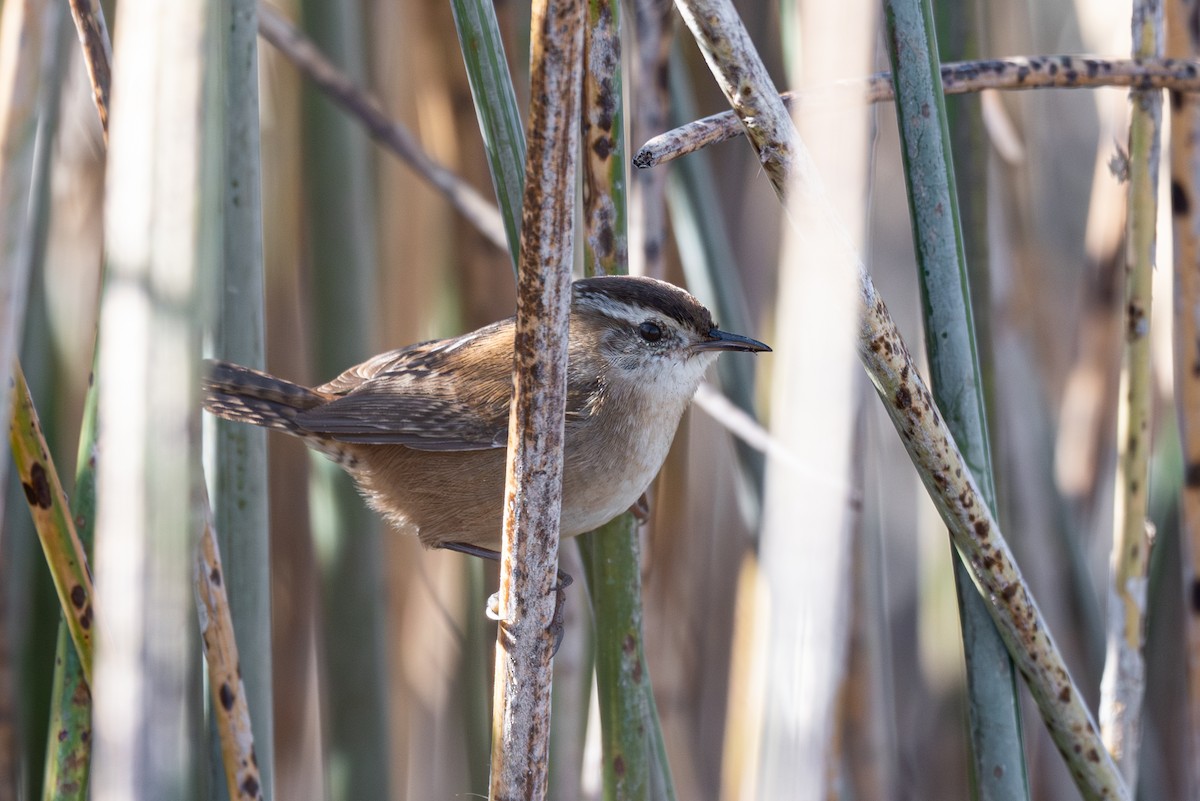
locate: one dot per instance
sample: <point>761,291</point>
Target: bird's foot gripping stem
<point>557,623</point>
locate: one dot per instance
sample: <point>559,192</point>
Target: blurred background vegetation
<point>379,655</point>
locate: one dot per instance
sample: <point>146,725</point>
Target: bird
<point>423,430</point>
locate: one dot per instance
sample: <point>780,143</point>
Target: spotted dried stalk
<point>341,89</point>
<point>1124,681</point>
<point>69,742</point>
<point>229,704</point>
<point>1183,41</point>
<point>923,431</point>
<point>633,763</point>
<point>605,242</point>
<point>981,543</point>
<point>1032,72</point>
<point>740,73</point>
<point>52,519</point>
<point>533,486</point>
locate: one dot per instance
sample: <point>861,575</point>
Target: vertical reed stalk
<point>997,757</point>
<point>654,28</point>
<point>809,521</point>
<point>606,249</point>
<point>633,756</point>
<point>147,657</point>
<point>239,467</point>
<point>1183,41</point>
<point>22,29</point>
<point>25,617</point>
<point>1124,682</point>
<point>69,738</point>
<point>634,761</point>
<point>533,486</point>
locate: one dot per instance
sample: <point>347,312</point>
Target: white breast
<point>639,425</point>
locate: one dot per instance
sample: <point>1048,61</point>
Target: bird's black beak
<point>723,340</point>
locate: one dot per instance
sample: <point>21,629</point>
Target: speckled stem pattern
<point>229,704</point>
<point>979,539</point>
<point>1183,40</point>
<point>1124,682</point>
<point>1034,72</point>
<point>69,739</point>
<point>921,427</point>
<point>633,758</point>
<point>342,90</point>
<point>533,487</point>
<point>52,519</point>
<point>740,72</point>
<point>605,243</point>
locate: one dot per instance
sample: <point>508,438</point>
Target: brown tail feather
<point>248,396</point>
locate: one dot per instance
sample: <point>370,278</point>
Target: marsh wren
<point>423,429</point>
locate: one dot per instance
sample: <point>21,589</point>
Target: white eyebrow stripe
<point>633,313</point>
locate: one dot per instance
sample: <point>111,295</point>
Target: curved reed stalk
<point>739,71</point>
<point>54,522</point>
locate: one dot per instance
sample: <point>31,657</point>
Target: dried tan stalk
<point>533,488</point>
<point>979,539</point>
<point>1032,72</point>
<point>224,674</point>
<point>1124,683</point>
<point>739,71</point>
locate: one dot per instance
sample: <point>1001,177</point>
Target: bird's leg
<point>641,509</point>
<point>493,605</point>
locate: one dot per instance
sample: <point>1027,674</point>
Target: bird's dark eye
<point>650,331</point>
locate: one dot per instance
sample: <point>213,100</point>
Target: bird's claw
<point>641,509</point>
<point>558,621</point>
<point>492,610</point>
